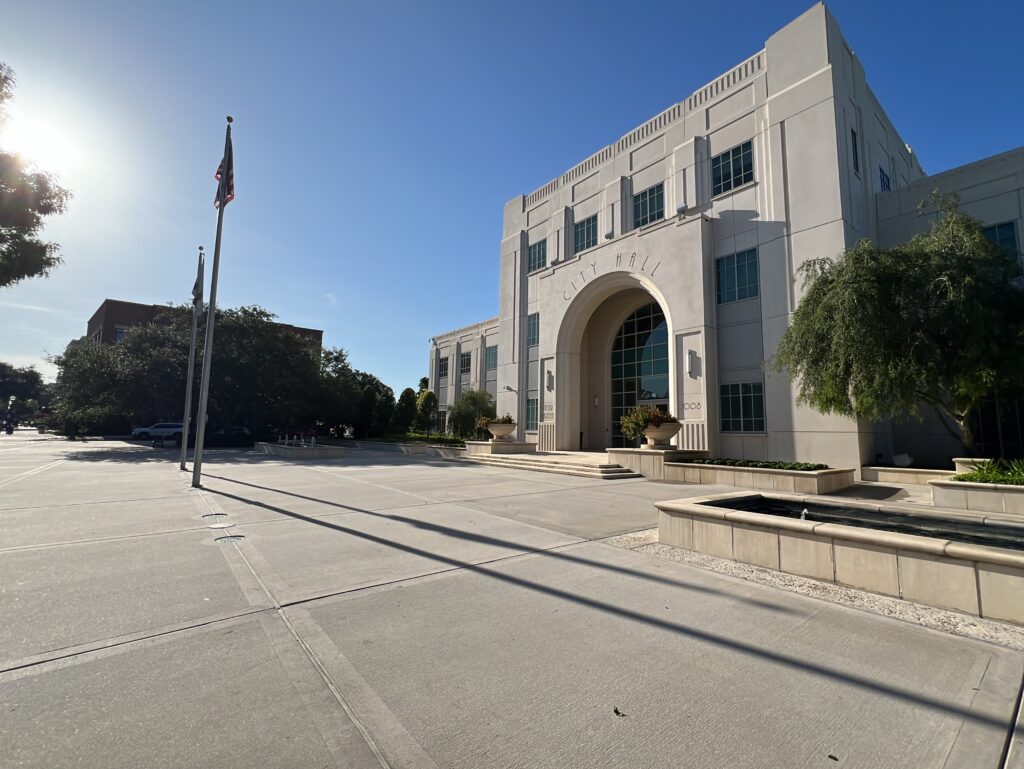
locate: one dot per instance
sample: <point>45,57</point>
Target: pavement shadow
<point>737,646</point>
<point>484,539</point>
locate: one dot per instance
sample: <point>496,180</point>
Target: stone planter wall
<point>649,462</point>
<point>799,481</point>
<point>967,464</point>
<point>984,581</point>
<point>502,446</point>
<point>912,475</point>
<point>981,497</point>
<point>419,449</point>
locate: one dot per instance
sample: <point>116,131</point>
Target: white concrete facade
<point>822,149</point>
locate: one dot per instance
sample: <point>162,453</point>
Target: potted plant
<point>657,426</point>
<point>501,427</point>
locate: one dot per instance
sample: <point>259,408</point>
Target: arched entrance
<point>639,367</point>
<point>613,352</point>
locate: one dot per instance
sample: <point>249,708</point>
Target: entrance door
<point>639,367</point>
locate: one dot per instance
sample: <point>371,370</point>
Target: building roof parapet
<point>466,329</point>
<point>702,96</point>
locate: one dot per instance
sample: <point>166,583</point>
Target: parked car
<point>159,430</point>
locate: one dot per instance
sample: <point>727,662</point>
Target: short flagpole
<point>211,316</point>
<point>191,369</point>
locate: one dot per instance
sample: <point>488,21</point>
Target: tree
<point>938,321</point>
<point>362,423</point>
<point>22,383</point>
<point>405,411</point>
<point>464,415</point>
<point>264,376</point>
<point>27,195</point>
<point>424,384</point>
<point>426,408</point>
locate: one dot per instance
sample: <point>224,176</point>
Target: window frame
<point>884,182</point>
<point>856,151</point>
<point>999,241</point>
<point>643,199</point>
<point>588,228</point>
<point>537,256</point>
<point>532,414</point>
<point>442,368</point>
<point>491,357</point>
<point>735,414</point>
<point>734,156</point>
<point>729,294</point>
<point>533,329</point>
<point>465,363</point>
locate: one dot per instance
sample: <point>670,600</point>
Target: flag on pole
<point>225,175</point>
<point>197,288</point>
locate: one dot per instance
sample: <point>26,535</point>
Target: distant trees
<point>466,412</point>
<point>426,408</point>
<point>23,383</point>
<point>27,195</point>
<point>265,378</point>
<point>405,411</point>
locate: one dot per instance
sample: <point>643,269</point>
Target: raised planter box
<point>649,462</point>
<point>979,580</point>
<point>767,479</point>
<point>479,448</point>
<point>980,497</point>
<point>911,475</point>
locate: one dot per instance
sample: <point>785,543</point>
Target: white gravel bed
<point>965,625</point>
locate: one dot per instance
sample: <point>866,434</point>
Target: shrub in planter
<point>636,421</point>
<point>1007,471</point>
<point>805,466</point>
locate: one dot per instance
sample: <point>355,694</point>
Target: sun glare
<point>40,142</point>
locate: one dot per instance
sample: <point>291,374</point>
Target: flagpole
<point>211,316</point>
<point>191,362</point>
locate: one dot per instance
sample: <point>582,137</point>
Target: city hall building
<point>663,269</point>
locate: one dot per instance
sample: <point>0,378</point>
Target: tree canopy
<point>265,378</point>
<point>27,196</point>
<point>23,383</point>
<point>935,322</point>
<point>467,410</point>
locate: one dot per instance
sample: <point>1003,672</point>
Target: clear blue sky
<point>376,143</point>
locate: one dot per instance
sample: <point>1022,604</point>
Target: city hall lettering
<point>620,262</point>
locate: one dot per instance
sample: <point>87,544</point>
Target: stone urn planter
<point>658,437</point>
<point>501,431</point>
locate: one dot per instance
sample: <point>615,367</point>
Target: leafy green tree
<point>382,415</point>
<point>338,394</point>
<point>424,385</point>
<point>362,423</point>
<point>935,322</point>
<point>23,383</point>
<point>405,411</point>
<point>27,196</point>
<point>467,410</point>
<point>426,408</point>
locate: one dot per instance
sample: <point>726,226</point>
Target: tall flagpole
<point>211,313</point>
<point>197,302</point>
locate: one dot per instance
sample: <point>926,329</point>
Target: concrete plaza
<point>391,611</point>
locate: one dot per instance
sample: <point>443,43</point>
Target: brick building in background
<point>115,316</point>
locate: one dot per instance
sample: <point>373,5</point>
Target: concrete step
<point>605,472</point>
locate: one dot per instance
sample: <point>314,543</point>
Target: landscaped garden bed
<point>800,477</point>
<point>991,487</point>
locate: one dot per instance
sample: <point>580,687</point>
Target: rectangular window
<point>856,151</point>
<point>441,421</point>
<point>537,255</point>
<point>586,234</point>
<point>531,413</point>
<point>442,368</point>
<point>743,407</point>
<point>465,362</point>
<point>533,329</point>
<point>736,276</point>
<point>732,168</point>
<point>119,332</point>
<point>649,205</point>
<point>491,358</point>
<point>883,180</point>
<point>1003,235</point>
